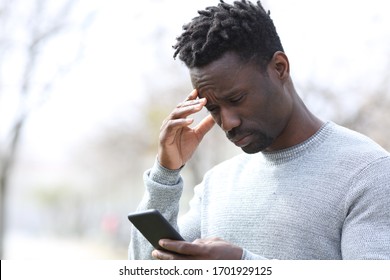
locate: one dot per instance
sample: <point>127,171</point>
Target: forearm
<point>163,189</point>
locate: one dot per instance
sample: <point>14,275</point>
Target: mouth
<point>241,141</point>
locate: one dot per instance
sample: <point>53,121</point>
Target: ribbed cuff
<point>164,176</point>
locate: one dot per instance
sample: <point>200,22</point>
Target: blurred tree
<point>373,117</point>
<point>362,110</point>
<point>28,32</point>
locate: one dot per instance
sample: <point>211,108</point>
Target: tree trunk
<point>8,162</point>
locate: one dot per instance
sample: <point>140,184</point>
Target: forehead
<point>226,72</point>
<point>225,77</point>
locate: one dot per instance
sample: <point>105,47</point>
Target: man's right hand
<point>178,141</point>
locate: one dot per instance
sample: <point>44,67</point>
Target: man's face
<point>250,105</point>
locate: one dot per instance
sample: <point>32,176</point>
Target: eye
<point>237,99</point>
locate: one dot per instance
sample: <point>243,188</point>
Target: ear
<point>280,65</point>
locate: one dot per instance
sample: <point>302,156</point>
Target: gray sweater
<point>326,198</point>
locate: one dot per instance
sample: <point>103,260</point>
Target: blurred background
<point>85,85</point>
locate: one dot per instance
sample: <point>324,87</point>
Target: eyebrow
<point>225,96</point>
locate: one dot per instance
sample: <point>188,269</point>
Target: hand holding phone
<point>154,227</point>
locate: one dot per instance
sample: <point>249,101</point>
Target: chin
<point>256,147</point>
<point>252,150</point>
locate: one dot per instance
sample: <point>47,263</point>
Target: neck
<point>302,125</point>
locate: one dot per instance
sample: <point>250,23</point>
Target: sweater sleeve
<point>246,255</point>
<point>366,230</point>
<point>163,189</point>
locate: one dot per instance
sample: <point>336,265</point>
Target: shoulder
<point>361,156</point>
<point>354,145</point>
<point>353,137</point>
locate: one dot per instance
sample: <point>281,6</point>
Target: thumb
<point>204,126</point>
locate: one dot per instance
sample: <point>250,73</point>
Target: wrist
<point>163,175</point>
<point>167,163</point>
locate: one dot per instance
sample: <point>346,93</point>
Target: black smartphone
<point>154,227</point>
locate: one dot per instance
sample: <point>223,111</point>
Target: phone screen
<point>154,227</point>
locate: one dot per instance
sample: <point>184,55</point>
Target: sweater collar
<point>291,153</point>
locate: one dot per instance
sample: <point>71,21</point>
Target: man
<point>303,189</point>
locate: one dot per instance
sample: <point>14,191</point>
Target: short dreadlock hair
<point>242,27</point>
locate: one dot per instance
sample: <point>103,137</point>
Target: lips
<point>241,141</point>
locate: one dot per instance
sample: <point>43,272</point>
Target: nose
<point>229,119</point>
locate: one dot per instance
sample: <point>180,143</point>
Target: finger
<point>170,127</point>
<point>167,255</point>
<point>175,123</point>
<point>187,108</point>
<point>205,126</point>
<point>199,241</point>
<point>191,102</point>
<point>162,255</point>
<point>180,247</point>
<point>192,95</point>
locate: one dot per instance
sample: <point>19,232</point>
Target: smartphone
<point>154,227</point>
